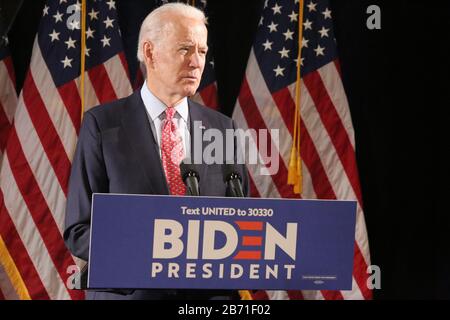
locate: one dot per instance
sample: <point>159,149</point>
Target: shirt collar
<point>155,107</point>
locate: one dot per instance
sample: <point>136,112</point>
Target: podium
<point>183,242</point>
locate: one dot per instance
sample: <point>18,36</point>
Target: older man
<point>134,145</point>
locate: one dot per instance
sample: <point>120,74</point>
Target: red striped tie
<point>172,153</point>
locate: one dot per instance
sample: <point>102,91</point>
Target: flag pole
<point>295,161</point>
<point>83,52</point>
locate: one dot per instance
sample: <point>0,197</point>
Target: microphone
<point>233,180</point>
<point>190,177</point>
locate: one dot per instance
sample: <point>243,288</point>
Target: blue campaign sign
<point>150,241</point>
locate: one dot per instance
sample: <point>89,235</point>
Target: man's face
<point>179,59</point>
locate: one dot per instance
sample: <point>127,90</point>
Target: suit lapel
<point>136,125</point>
<point>198,124</point>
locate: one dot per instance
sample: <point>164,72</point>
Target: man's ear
<point>148,51</point>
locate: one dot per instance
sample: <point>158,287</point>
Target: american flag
<point>8,103</point>
<point>8,96</point>
<point>267,101</point>
<point>35,170</point>
<point>207,90</point>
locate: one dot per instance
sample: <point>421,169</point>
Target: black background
<point>385,74</point>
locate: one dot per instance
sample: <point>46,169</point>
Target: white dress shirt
<point>156,114</point>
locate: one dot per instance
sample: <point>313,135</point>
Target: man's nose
<point>195,60</point>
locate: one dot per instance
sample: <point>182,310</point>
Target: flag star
<point>6,40</point>
<point>61,1</point>
<point>284,53</point>
<point>278,71</point>
<point>301,61</point>
<point>296,1</point>
<point>267,45</point>
<point>326,14</point>
<point>74,24</point>
<point>108,23</point>
<point>45,11</point>
<point>67,62</point>
<point>54,35</point>
<point>105,41</point>
<point>111,4</point>
<point>266,3</point>
<point>212,63</point>
<point>77,6</point>
<point>305,43</point>
<point>293,16</point>
<point>261,21</point>
<point>324,32</point>
<point>277,9</point>
<point>272,27</point>
<point>312,6</point>
<point>89,33</point>
<point>86,51</point>
<point>319,51</point>
<point>70,43</point>
<point>58,16</point>
<point>93,14</point>
<point>307,24</point>
<point>288,35</point>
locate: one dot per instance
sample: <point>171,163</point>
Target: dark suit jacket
<point>117,153</point>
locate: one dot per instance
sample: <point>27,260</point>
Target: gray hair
<point>154,27</point>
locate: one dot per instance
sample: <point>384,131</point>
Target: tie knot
<point>170,112</point>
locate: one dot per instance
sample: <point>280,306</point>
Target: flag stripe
<point>115,70</point>
<point>47,134</point>
<point>71,97</point>
<point>209,96</point>
<point>9,66</point>
<point>332,295</point>
<point>265,103</point>
<point>320,183</point>
<point>333,85</point>
<point>30,235</point>
<point>361,277</point>
<point>260,295</point>
<point>253,189</point>
<point>334,127</point>
<point>251,112</point>
<point>8,96</point>
<point>123,61</point>
<point>261,184</point>
<point>39,210</point>
<point>286,106</point>
<point>20,255</point>
<point>40,166</point>
<point>295,295</point>
<point>59,107</point>
<point>90,97</point>
<point>102,84</point>
<point>11,283</point>
<point>5,125</point>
